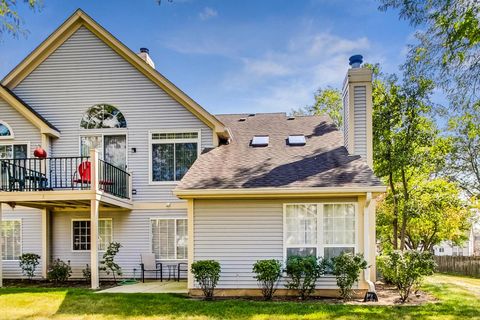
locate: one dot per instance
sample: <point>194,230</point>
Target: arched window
<point>103,116</point>
<point>5,131</point>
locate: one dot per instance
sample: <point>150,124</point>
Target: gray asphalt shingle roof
<point>322,162</point>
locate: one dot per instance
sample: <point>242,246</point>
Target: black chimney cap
<point>145,50</point>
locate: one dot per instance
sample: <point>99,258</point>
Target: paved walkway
<point>150,287</point>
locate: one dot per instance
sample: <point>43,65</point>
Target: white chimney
<point>357,110</point>
<point>144,54</point>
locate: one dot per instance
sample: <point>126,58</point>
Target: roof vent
<point>242,119</point>
<point>291,118</point>
<point>251,115</point>
<point>297,140</point>
<point>260,141</point>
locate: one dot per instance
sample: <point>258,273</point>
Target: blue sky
<point>237,56</point>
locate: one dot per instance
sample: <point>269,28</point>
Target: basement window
<point>260,141</point>
<point>297,140</point>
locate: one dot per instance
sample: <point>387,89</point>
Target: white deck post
<point>45,241</point>
<point>1,249</point>
<point>94,215</point>
<point>190,248</point>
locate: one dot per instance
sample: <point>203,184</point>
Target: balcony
<point>65,182</point>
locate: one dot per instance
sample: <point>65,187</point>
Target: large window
<point>81,234</point>
<point>103,116</point>
<point>169,238</point>
<point>5,131</point>
<point>301,229</point>
<point>11,236</point>
<point>172,154</point>
<point>319,229</point>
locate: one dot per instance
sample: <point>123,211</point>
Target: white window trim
<point>71,234</point>
<point>21,238</point>
<point>151,237</point>
<point>102,133</point>
<point>11,136</point>
<point>320,245</point>
<point>151,141</point>
<point>14,143</point>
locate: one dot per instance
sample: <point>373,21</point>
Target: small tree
<point>346,267</point>
<point>59,271</point>
<point>87,273</point>
<point>207,274</point>
<point>304,273</point>
<point>108,263</point>
<point>268,272</point>
<point>406,269</point>
<point>28,263</point>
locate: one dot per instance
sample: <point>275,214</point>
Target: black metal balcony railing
<point>61,173</point>
<point>113,180</point>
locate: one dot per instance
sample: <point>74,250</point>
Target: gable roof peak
<point>81,19</point>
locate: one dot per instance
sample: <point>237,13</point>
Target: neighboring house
<point>447,248</point>
<point>120,139</point>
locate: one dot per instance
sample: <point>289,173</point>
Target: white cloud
<point>263,79</point>
<point>207,13</point>
<point>265,68</point>
<point>289,76</point>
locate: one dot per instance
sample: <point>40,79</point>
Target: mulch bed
<point>387,296</point>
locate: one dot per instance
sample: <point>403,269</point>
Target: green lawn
<point>457,301</point>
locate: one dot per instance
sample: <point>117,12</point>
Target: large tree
<point>407,145</point>
<point>448,51</point>
<point>464,160</point>
<point>448,46</point>
<point>437,214</point>
<point>10,20</point>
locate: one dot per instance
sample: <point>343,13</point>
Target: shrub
<point>87,273</point>
<point>108,263</point>
<point>346,268</point>
<point>268,272</point>
<point>406,269</point>
<point>28,263</point>
<point>304,273</point>
<point>59,271</point>
<point>207,274</point>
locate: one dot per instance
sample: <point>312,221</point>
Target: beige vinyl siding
<point>360,121</point>
<point>131,229</point>
<point>31,221</point>
<point>23,130</point>
<point>83,72</point>
<point>237,233</point>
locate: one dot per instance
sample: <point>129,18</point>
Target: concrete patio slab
<point>153,286</point>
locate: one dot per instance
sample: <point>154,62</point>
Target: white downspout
<point>366,242</point>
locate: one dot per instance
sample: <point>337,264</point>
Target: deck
<point>64,182</point>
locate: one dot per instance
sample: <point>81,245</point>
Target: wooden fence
<point>467,266</point>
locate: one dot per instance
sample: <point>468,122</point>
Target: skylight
<point>297,140</point>
<point>260,141</point>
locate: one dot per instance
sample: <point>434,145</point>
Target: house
<point>133,159</point>
<point>447,248</point>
